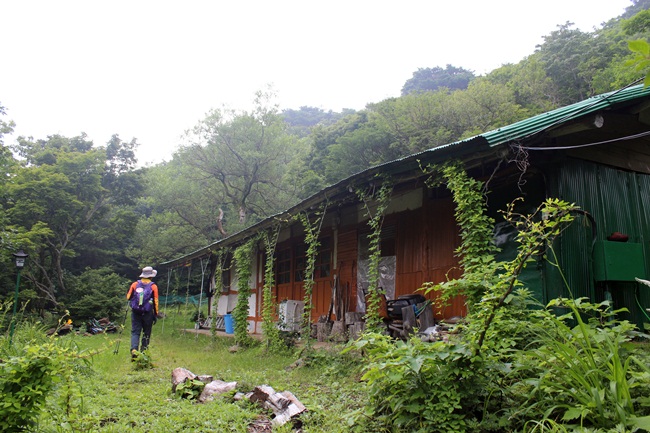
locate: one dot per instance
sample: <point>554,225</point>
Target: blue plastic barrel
<point>230,323</point>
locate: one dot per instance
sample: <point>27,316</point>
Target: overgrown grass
<point>117,397</point>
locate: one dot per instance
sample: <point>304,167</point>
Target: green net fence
<point>181,300</point>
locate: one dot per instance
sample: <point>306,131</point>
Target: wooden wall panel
<point>410,242</point>
<point>321,296</point>
<point>443,236</point>
<point>425,241</point>
<point>442,240</point>
<point>406,284</point>
<point>346,266</point>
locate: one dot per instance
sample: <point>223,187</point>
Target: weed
<point>141,360</point>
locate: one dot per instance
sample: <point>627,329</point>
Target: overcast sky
<point>152,69</point>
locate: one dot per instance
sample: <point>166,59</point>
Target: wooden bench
<point>219,323</point>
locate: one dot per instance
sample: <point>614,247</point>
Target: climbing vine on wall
<point>476,251</point>
<point>220,266</point>
<point>243,267</point>
<point>271,331</point>
<point>486,283</point>
<point>312,232</point>
<point>375,202</point>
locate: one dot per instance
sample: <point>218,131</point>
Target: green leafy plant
<point>142,360</point>
<point>421,387</point>
<point>190,389</point>
<point>243,268</point>
<point>587,375</point>
<point>272,336</point>
<point>33,368</point>
<point>476,251</point>
<point>535,232</point>
<point>375,211</point>
<point>312,232</point>
<point>220,267</point>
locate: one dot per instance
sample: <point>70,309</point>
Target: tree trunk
<point>220,223</point>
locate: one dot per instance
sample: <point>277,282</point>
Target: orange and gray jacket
<point>154,289</point>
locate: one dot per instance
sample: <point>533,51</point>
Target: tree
<point>416,121</point>
<point>484,106</point>
<point>64,189</point>
<point>432,79</point>
<point>246,154</point>
<point>303,120</point>
<point>532,88</point>
<point>177,213</point>
<point>8,242</point>
<point>357,150</point>
<point>569,57</point>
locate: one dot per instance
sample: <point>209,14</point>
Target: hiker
<point>143,300</point>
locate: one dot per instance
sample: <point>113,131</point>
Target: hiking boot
<point>134,354</point>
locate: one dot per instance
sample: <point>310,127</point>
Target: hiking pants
<point>141,324</point>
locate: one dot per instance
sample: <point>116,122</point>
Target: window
<point>323,262</point>
<point>323,259</point>
<point>284,259</point>
<point>225,280</point>
<point>283,266</point>
<point>386,243</point>
<point>300,262</point>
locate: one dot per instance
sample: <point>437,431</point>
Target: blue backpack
<point>142,298</point>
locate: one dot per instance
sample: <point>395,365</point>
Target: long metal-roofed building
<point>595,153</point>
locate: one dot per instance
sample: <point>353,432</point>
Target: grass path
<point>119,398</point>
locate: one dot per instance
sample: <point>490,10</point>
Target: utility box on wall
<point>618,261</point>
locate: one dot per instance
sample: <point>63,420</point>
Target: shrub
<point>422,387</point>
<point>32,368</point>
<point>587,375</point>
<point>96,293</point>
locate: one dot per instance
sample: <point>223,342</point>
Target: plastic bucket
<point>229,323</point>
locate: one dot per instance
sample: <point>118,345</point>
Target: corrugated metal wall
<point>619,201</point>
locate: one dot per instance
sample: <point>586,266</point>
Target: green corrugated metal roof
<point>535,124</point>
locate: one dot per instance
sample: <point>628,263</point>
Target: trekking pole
<point>119,338</point>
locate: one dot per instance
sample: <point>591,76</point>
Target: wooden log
<point>323,331</point>
<point>355,330</point>
<point>353,317</point>
<point>408,320</point>
<point>338,331</point>
<point>295,408</point>
<point>313,330</point>
<point>426,317</point>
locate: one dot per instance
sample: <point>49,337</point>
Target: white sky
<point>152,69</point>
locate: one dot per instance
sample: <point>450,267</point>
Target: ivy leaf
<point>573,413</point>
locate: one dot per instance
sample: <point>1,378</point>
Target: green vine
<point>487,284</point>
<point>243,267</point>
<point>535,232</point>
<point>220,262</point>
<point>476,251</point>
<point>381,198</point>
<point>271,332</point>
<point>312,232</point>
